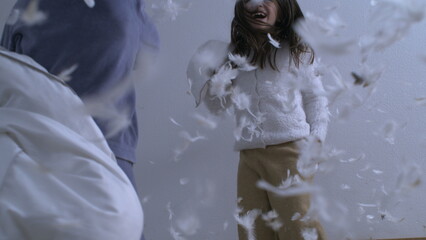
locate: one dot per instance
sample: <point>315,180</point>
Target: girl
<point>267,75</point>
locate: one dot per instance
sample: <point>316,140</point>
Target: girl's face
<point>264,15</point>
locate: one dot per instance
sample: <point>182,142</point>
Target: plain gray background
<point>199,189</point>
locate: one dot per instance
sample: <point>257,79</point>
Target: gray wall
<point>199,188</point>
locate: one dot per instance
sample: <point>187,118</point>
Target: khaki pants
<point>271,164</point>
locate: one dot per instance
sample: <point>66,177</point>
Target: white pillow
<point>58,178</point>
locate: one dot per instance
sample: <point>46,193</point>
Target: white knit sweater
<point>285,105</point>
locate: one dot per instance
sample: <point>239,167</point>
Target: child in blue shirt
<point>102,41</point>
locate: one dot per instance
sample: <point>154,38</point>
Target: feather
<point>310,234</point>
<point>32,15</point>
<point>221,81</point>
<point>205,62</point>
<point>388,131</point>
<point>187,141</point>
<point>324,34</point>
<point>351,160</point>
<point>394,18</point>
<point>169,210</point>
<point>103,108</point>
<point>241,62</point>
<point>296,216</point>
<point>385,215</point>
<point>252,4</point>
<point>411,176</point>
<point>90,3</point>
<point>175,122</point>
<point>175,235</point>
<point>315,157</point>
<point>272,220</point>
<point>183,181</point>
<point>146,199</point>
<point>187,137</point>
<point>118,123</point>
<point>370,218</point>
<point>246,221</point>
<point>206,192</point>
<point>421,101</point>
<point>241,100</point>
<point>320,208</point>
<point>338,88</point>
<point>369,205</point>
<point>188,224</point>
<point>225,225</point>
<point>206,122</point>
<point>300,189</point>
<point>65,75</point>
<point>359,80</point>
<point>368,75</point>
<point>249,127</point>
<point>168,9</point>
<point>273,42</point>
<point>384,190</point>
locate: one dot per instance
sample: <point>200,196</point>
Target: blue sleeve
<point>103,40</point>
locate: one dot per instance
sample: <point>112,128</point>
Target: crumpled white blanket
<point>58,178</point>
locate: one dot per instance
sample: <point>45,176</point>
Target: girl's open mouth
<point>259,15</point>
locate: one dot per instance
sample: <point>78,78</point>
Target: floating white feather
<point>187,141</point>
<point>300,189</point>
<point>32,15</point>
<point>221,81</point>
<point>241,62</point>
<point>310,234</point>
<point>175,234</point>
<point>246,221</point>
<point>188,224</point>
<point>66,73</point>
<point>273,42</point>
<point>323,34</point>
<point>272,220</point>
<point>207,122</point>
<point>90,3</point>
<point>175,122</point>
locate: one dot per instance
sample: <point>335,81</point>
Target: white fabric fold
<point>58,177</point>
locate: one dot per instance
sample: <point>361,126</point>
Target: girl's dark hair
<point>247,42</point>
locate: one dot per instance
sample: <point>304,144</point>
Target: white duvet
<point>58,178</point>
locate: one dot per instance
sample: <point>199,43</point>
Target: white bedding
<point>58,178</point>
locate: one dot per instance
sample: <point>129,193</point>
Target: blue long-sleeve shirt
<point>103,41</point>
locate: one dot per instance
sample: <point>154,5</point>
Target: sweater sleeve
<point>315,102</point>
